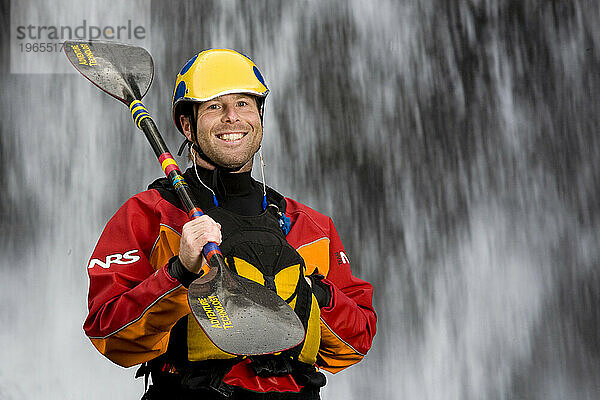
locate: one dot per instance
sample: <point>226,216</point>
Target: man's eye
<point>213,107</point>
<point>242,103</point>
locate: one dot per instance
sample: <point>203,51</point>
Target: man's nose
<point>230,114</point>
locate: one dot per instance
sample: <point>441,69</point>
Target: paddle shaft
<point>144,121</point>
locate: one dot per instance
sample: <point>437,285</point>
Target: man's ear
<point>184,120</point>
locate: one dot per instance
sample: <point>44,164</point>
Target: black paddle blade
<point>125,72</point>
<point>241,316</point>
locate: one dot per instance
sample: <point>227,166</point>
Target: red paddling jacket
<point>134,302</point>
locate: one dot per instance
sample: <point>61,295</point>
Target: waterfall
<point>453,143</point>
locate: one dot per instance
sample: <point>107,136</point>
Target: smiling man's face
<point>229,130</point>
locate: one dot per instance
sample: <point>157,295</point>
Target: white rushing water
<point>454,146</point>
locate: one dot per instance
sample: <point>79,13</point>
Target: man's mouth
<point>231,136</point>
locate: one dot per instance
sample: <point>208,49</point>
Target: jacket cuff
<point>321,290</point>
<point>181,273</point>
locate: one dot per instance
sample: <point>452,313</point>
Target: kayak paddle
<point>238,315</point>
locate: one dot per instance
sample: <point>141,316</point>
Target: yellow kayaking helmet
<point>214,73</point>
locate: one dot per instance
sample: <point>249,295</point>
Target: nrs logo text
<point>128,257</point>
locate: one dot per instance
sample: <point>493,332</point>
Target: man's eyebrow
<point>204,103</point>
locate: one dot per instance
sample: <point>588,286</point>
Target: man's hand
<point>194,235</point>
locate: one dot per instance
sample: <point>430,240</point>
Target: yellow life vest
<point>255,248</point>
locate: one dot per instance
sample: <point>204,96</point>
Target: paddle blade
<point>243,317</point>
<point>125,72</point>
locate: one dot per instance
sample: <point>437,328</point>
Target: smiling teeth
<point>231,136</point>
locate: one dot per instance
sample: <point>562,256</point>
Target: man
<point>149,253</point>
